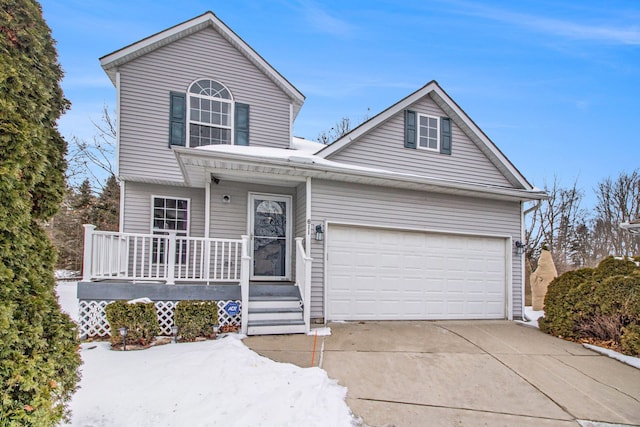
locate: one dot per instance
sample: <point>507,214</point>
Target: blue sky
<point>555,84</point>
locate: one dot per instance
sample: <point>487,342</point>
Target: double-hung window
<point>169,214</point>
<point>210,109</point>
<point>428,132</point>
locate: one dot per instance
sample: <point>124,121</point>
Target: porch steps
<point>275,309</point>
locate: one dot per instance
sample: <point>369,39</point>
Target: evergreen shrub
<point>630,341</point>
<point>601,303</point>
<point>139,318</point>
<point>39,357</point>
<point>195,319</point>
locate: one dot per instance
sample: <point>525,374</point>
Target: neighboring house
<point>415,214</point>
<point>632,227</point>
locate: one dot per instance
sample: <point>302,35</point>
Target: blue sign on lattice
<point>232,308</point>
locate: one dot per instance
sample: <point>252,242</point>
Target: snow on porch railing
<point>303,280</point>
<point>164,257</point>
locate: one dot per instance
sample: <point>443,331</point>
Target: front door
<point>270,230</point>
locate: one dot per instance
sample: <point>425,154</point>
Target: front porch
<point>169,268</point>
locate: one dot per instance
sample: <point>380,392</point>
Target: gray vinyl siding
<point>229,220</point>
<point>137,212</point>
<point>383,148</point>
<point>144,100</point>
<point>392,207</point>
<point>301,211</point>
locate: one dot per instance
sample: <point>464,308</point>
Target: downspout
<point>307,237</point>
<point>122,187</point>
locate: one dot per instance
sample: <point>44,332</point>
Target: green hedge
<point>601,303</point>
<point>195,319</point>
<point>139,318</point>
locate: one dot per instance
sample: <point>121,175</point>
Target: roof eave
<point>380,178</point>
<point>460,117</point>
<point>112,61</point>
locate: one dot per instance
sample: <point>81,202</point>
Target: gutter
<point>308,167</point>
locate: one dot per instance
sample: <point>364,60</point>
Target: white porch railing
<point>143,257</point>
<point>303,281</point>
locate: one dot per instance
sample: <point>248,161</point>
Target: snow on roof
<point>303,159</point>
<point>298,143</point>
<point>303,155</point>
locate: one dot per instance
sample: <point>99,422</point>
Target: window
<point>169,214</point>
<point>428,131</point>
<point>207,115</point>
<point>210,111</point>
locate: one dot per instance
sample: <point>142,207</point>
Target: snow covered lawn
<point>210,383</point>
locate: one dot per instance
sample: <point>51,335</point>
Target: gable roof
<point>457,114</point>
<point>113,60</point>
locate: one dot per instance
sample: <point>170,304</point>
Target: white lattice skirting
<point>93,321</point>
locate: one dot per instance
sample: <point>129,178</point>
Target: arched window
<point>210,113</point>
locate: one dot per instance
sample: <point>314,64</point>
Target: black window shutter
<point>177,118</point>
<point>241,127</point>
<point>445,135</point>
<point>410,130</point>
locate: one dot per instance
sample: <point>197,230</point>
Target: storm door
<point>270,230</point>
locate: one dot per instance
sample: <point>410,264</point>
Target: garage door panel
<point>390,274</point>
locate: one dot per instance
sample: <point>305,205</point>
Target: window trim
<point>419,135</point>
<point>154,230</point>
<point>188,121</point>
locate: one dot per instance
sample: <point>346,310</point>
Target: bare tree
<point>95,159</point>
<point>555,224</point>
<point>340,129</point>
<point>618,201</point>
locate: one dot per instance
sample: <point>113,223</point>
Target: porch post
<point>207,205</point>
<point>87,256</point>
<point>244,283</point>
<point>171,258</point>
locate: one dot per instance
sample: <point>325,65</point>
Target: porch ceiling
<point>290,170</point>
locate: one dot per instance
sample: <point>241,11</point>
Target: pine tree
<point>106,212</point>
<point>39,357</point>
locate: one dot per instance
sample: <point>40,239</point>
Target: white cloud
<point>323,21</point>
<point>617,32</point>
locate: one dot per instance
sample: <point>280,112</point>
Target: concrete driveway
<point>465,373</point>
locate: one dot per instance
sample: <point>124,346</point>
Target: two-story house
<point>415,214</point>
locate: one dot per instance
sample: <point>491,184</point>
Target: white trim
<point>428,116</point>
<point>523,272</point>
<point>230,102</point>
<point>508,240</point>
<point>118,100</point>
<point>423,230</point>
<point>207,205</point>
<point>160,196</point>
<point>288,199</point>
<point>112,61</point>
<point>307,222</point>
<point>122,205</point>
<point>294,167</point>
<point>459,115</point>
<point>508,279</point>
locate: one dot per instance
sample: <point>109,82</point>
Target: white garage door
<point>380,274</point>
